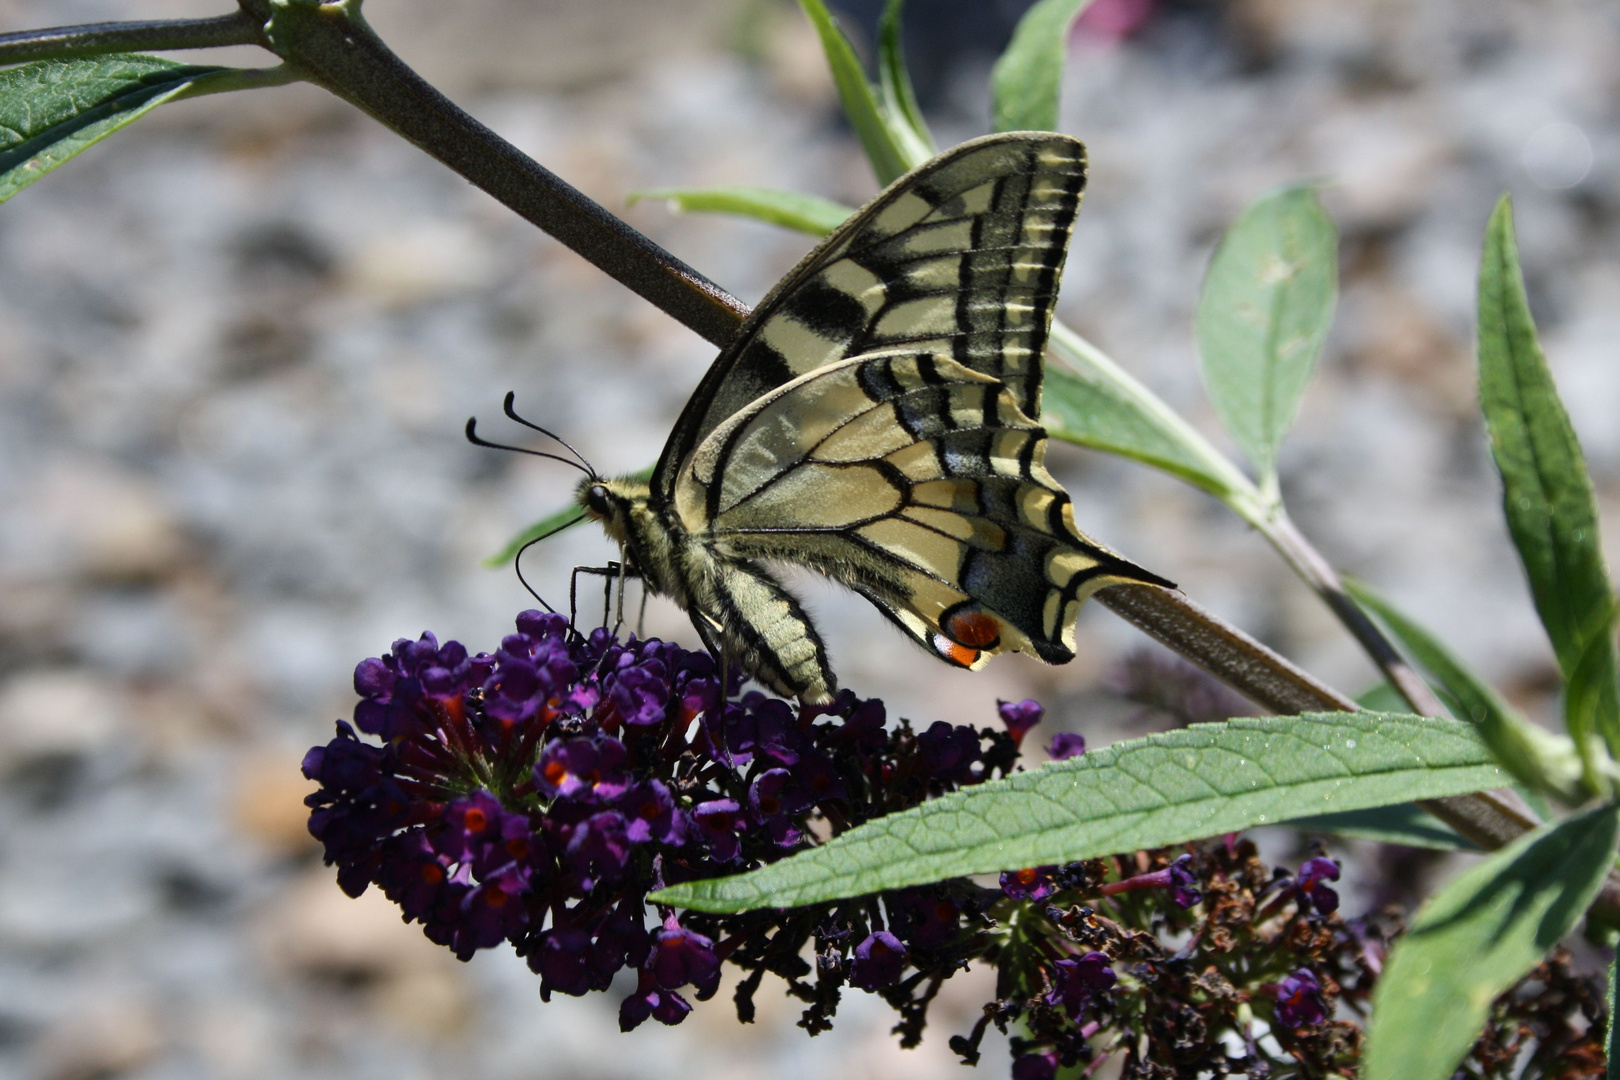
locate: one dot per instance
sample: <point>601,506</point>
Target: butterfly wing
<point>916,481</point>
<point>960,256</point>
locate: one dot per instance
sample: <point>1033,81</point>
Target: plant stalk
<point>157,35</point>
<point>332,46</point>
<point>1310,565</point>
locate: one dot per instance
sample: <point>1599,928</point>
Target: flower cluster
<point>536,795</point>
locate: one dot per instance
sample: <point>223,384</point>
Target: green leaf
<point>1263,314</point>
<point>1546,492</point>
<point>55,109</point>
<point>1163,789</point>
<point>1589,699</point>
<point>1027,78</point>
<point>552,523</point>
<point>899,102</point>
<point>1537,758</point>
<point>1381,697</point>
<point>1476,938</point>
<point>790,209</point>
<point>1093,403</point>
<point>1089,412</point>
<point>1399,823</point>
<point>885,148</point>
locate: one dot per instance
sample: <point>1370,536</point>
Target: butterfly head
<point>612,502</point>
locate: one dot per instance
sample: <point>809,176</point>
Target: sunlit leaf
<point>1476,938</point>
<point>1536,757</point>
<point>552,523</point>
<point>1090,412</point>
<point>885,148</point>
<point>1163,789</point>
<point>894,83</point>
<point>1027,78</point>
<point>1083,404</point>
<point>53,110</point>
<point>1264,312</point>
<point>1546,492</point>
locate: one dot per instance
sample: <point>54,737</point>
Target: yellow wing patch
<point>919,483</point>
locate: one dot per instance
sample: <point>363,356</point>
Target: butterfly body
<point>876,421</point>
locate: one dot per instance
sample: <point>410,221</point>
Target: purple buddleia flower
<point>1034,883</point>
<point>863,729</point>
<point>589,769</point>
<point>651,1000</point>
<point>681,957</point>
<point>701,697</point>
<point>1066,745</point>
<point>491,911</point>
<point>621,941</point>
<point>817,777</point>
<point>1311,887</point>
<point>415,876</point>
<point>537,795</point>
<point>947,752</point>
<point>1020,717</point>
<point>1076,980</point>
<point>923,917</point>
<point>879,959</point>
<point>637,693</point>
<point>1299,1000</point>
<point>776,802</point>
<point>563,962</point>
<point>1042,1066</point>
<point>597,849</point>
<point>1178,877</point>
<point>650,810</point>
<point>764,726</point>
<point>718,822</point>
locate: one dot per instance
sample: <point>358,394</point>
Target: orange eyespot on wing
<point>972,628</point>
<point>960,655</point>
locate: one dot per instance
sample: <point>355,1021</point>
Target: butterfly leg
<point>611,574</point>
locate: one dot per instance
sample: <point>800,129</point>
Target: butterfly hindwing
<point>961,257</point>
<point>916,481</point>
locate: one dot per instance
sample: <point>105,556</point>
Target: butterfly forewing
<point>916,481</point>
<point>961,258</point>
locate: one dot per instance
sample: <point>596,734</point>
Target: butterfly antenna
<point>511,413</point>
<point>517,560</point>
<point>478,440</point>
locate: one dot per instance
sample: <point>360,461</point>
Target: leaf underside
<point>52,110</point>
<point>1263,314</point>
<point>1476,938</point>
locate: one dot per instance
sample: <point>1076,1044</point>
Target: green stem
<point>158,35</point>
<point>239,79</point>
<point>1309,564</point>
<point>331,45</point>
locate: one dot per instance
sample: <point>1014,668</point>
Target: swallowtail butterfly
<point>876,420</point>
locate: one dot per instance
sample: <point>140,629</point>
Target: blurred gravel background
<point>238,344</point>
